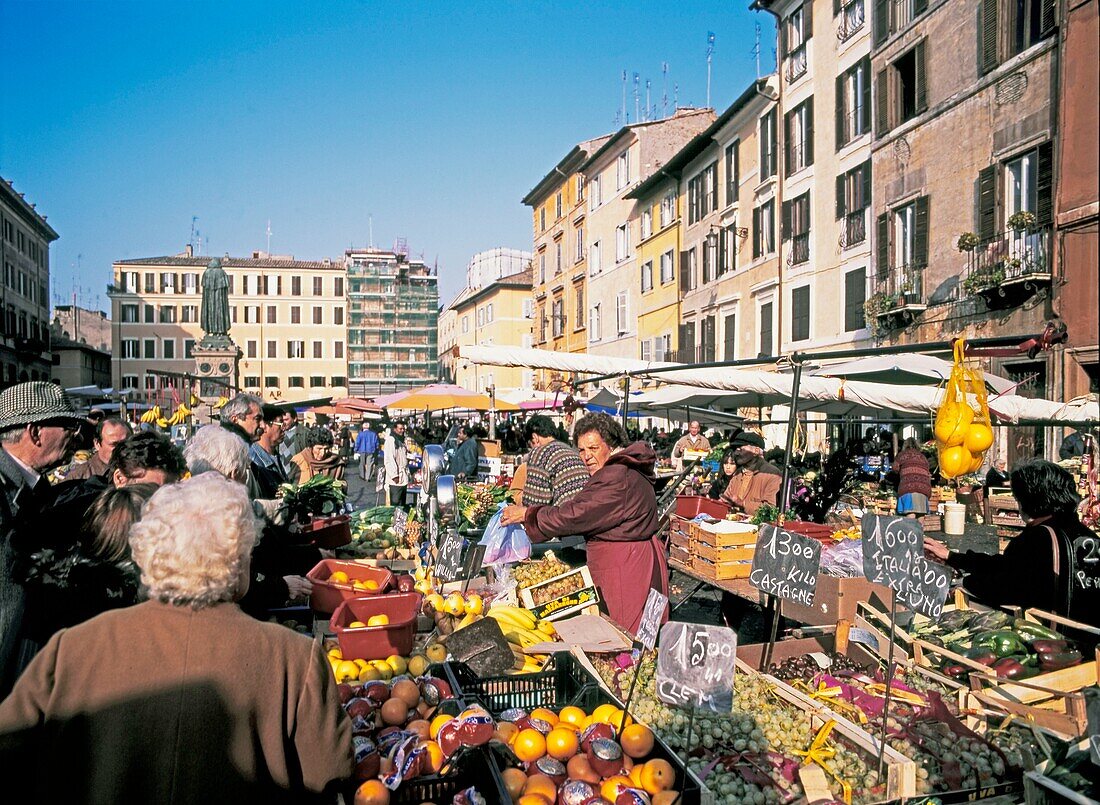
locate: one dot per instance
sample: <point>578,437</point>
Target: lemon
<point>339,577</point>
<point>398,663</point>
<point>378,620</point>
<point>369,674</point>
<point>383,669</point>
<point>418,664</point>
<point>474,605</point>
<point>356,625</point>
<point>335,654</point>
<point>347,671</point>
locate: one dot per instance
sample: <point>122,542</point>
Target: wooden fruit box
<point>720,571</point>
<point>877,622</point>
<point>901,772</point>
<point>679,526</point>
<point>722,555</point>
<point>724,534</point>
<point>581,596</point>
<point>931,523</point>
<point>680,556</point>
<point>679,540</point>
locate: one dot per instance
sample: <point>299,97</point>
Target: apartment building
<point>963,165</point>
<point>83,325</point>
<point>559,263</point>
<point>823,172</point>
<point>1076,205</point>
<point>287,318</point>
<point>25,240</point>
<point>724,188</point>
<point>448,340</point>
<point>497,314</point>
<point>393,322</point>
<point>656,219</point>
<point>628,157</point>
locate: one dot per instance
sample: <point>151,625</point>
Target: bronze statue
<point>215,303</point>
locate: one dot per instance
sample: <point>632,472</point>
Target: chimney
<point>189,251</point>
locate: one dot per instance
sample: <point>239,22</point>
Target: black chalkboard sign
<point>448,562</point>
<point>893,554</point>
<point>654,611</point>
<point>695,666</point>
<point>786,564</point>
<point>400,522</point>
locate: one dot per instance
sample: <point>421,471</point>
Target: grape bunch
<point>535,571</point>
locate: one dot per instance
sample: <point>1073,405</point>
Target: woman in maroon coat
<point>616,512</point>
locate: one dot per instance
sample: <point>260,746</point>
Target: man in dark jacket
<point>464,461</point>
<point>109,434</point>
<point>267,471</point>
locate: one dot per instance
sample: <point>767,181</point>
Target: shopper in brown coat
<point>755,482</point>
<point>616,513</point>
<point>182,698</point>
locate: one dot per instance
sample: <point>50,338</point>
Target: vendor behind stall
<point>1052,564</point>
<point>616,513</point>
<point>692,440</point>
<point>725,471</point>
<point>755,481</point>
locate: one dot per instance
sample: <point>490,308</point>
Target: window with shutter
<point>756,239</point>
<point>729,346</point>
<point>709,339</point>
<point>855,295</point>
<point>732,172</point>
<point>800,313</point>
<point>987,203</point>
<point>882,103</point>
<point>987,31</point>
<point>920,232</point>
<point>921,75</point>
<point>765,330</point>
<point>882,245</point>
<point>881,21</point>
<point>1044,185</point>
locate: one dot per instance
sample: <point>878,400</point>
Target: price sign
<point>786,564</point>
<point>695,666</point>
<point>400,522</point>
<point>448,562</point>
<point>893,554</point>
<point>651,619</point>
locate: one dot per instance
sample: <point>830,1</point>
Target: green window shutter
<point>840,211</point>
<point>785,226</point>
<point>840,143</point>
<point>881,22</point>
<point>1044,184</point>
<point>882,103</point>
<point>987,202</point>
<point>807,20</point>
<point>809,138</point>
<point>882,246</point>
<point>865,68</point>
<point>866,175</point>
<point>1047,17</point>
<point>987,52</point>
<point>919,54</point>
<point>920,231</point>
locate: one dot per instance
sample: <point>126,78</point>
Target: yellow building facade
<point>497,314</point>
<point>656,219</point>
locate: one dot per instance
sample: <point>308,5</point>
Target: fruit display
<point>535,571</point>
<point>521,630</point>
<point>569,582</point>
<point>994,641</point>
<point>349,671</point>
<point>962,434</point>
<point>318,497</point>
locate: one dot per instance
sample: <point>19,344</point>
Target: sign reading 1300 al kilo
<point>786,564</point>
<point>695,666</point>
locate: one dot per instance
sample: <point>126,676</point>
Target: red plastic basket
<point>689,506</point>
<point>329,532</point>
<point>377,642</point>
<point>326,595</point>
<point>812,530</point>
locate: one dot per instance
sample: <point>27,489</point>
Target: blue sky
<point>122,120</point>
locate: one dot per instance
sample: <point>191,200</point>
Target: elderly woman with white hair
<point>278,563</point>
<point>181,698</point>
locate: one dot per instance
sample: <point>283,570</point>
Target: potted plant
<point>967,242</point>
<point>983,278</point>
<point>1022,221</point>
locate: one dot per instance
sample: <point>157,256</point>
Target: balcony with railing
<point>851,20</point>
<point>1009,268</point>
<point>797,63</point>
<point>898,296</point>
<point>853,230</point>
<point>800,249</point>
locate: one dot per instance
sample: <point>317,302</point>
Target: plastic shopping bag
<point>504,543</point>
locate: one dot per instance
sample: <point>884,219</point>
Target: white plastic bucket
<point>954,519</point>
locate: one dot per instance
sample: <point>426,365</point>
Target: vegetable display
<point>477,502</point>
<point>318,497</point>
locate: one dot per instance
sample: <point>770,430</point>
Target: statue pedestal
<point>216,368</point>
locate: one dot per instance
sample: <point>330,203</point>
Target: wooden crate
<point>679,526</point>
<point>931,523</point>
<point>722,555</point>
<point>681,556</point>
<point>836,599</point>
<point>714,535</point>
<point>678,540</point>
<point>721,571</point>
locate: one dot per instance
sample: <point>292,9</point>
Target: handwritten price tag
<point>893,554</point>
<point>695,666</point>
<point>786,564</point>
<point>654,610</point>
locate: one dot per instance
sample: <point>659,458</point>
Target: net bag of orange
<point>962,434</point>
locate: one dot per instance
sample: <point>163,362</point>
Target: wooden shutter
<point>788,155</point>
<point>721,253</point>
<point>756,247</point>
<point>736,169</point>
<point>882,245</point>
<point>866,175</point>
<point>865,68</point>
<point>921,73</point>
<point>919,7</point>
<point>807,20</point>
<point>987,51</point>
<point>840,209</point>
<point>882,103</point>
<point>729,349</point>
<point>785,225</point>
<point>685,271</point>
<point>810,131</point>
<point>881,22</point>
<point>920,231</point>
<point>1044,184</point>
<point>987,202</point>
<point>840,141</point>
<point>782,26</point>
<point>1047,17</point>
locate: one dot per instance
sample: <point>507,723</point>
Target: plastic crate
<point>329,532</point>
<point>477,769</point>
<point>326,596</point>
<point>377,642</point>
<point>689,506</point>
<point>562,682</point>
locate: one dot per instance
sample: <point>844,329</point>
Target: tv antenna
<point>675,97</point>
<point>647,104</point>
<point>269,237</point>
<point>370,231</point>
<point>191,242</point>
<point>756,50</point>
<point>710,54</point>
<point>664,89</point>
<point>624,115</point>
<point>637,113</point>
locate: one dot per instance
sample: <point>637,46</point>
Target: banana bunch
<point>512,616</point>
<point>152,415</point>
<point>521,629</point>
<point>181,414</point>
<point>220,403</point>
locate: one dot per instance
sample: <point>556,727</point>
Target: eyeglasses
<point>68,425</point>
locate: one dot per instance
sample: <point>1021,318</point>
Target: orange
<point>636,776</point>
<point>529,745</point>
<point>435,755</point>
<point>604,713</point>
<point>549,716</point>
<point>372,792</point>
<point>562,743</point>
<point>658,775</point>
<point>378,620</point>
<point>438,722</point>
<point>514,781</point>
<point>613,786</point>
<point>619,720</point>
<point>637,740</point>
<point>572,715</point>
<point>541,785</point>
<point>506,732</point>
<point>534,799</point>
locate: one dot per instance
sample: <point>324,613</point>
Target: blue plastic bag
<point>504,543</point>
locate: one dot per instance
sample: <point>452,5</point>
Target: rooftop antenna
<point>664,89</point>
<point>370,231</point>
<point>756,50</point>
<point>625,118</point>
<point>637,114</point>
<point>191,242</point>
<point>675,97</point>
<point>710,53</point>
<point>647,104</point>
<point>269,236</point>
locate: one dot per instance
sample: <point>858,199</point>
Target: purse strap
<point>1057,550</point>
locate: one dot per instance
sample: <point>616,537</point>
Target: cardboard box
<point>835,599</point>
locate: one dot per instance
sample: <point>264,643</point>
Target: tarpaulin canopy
<point>440,397</point>
<point>910,369</point>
